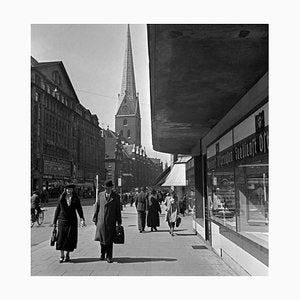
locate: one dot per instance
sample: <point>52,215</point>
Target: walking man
<point>107,213</point>
<point>141,207</point>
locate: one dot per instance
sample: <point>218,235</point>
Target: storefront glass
<point>238,178</point>
<point>221,197</point>
<point>252,191</point>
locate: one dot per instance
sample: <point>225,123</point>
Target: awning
<point>177,176</point>
<point>162,177</point>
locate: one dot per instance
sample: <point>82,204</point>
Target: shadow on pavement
<point>84,260</point>
<point>185,234</point>
<point>128,260</point>
<point>176,230</point>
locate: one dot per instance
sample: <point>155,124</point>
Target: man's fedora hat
<point>70,186</point>
<point>108,183</point>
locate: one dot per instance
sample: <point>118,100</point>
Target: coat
<point>153,212</point>
<point>106,214</point>
<point>67,222</point>
<point>141,201</point>
<point>172,211</point>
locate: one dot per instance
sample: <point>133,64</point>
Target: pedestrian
<point>141,207</point>
<point>35,203</point>
<point>65,215</point>
<point>172,211</point>
<point>182,205</point>
<point>153,211</point>
<point>107,214</point>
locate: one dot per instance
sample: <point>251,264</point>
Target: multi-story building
<point>67,144</point>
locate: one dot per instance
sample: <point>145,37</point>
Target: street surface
<point>143,254</point>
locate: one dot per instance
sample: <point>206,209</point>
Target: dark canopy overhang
<point>197,74</point>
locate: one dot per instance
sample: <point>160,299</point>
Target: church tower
<point>128,117</point>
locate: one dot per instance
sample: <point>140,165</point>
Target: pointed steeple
<point>128,116</point>
<point>128,80</point>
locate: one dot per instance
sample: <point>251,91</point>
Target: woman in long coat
<point>153,211</point>
<point>172,211</point>
<point>65,215</point>
<point>106,214</point>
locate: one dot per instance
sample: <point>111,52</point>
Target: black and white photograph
<point>137,134</point>
<point>160,130</point>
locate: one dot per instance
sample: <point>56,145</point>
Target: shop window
<point>252,191</point>
<point>221,196</point>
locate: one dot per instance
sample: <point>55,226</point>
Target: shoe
<point>155,228</point>
<point>141,231</point>
<point>172,234</point>
<point>102,257</point>
<point>61,260</point>
<point>67,259</point>
<point>109,260</point>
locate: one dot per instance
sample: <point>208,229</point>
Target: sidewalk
<point>143,254</point>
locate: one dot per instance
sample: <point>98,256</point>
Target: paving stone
<point>147,254</point>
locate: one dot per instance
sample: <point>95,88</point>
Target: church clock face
<point>125,109</point>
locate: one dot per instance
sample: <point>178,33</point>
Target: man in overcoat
<point>141,207</point>
<point>107,214</point>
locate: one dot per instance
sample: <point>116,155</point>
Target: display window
<point>221,197</point>
<point>252,191</point>
<point>238,178</point>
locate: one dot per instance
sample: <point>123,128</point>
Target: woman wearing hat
<point>65,215</point>
<point>153,211</point>
<point>107,215</point>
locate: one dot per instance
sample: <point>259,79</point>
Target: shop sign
<point>256,144</point>
<point>57,167</point>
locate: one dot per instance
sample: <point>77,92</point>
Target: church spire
<point>128,80</point>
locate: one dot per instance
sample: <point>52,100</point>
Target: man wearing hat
<point>141,207</point>
<point>107,214</point>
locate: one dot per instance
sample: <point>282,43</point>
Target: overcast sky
<point>93,56</point>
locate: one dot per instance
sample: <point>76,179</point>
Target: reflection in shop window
<point>252,182</point>
<point>221,197</point>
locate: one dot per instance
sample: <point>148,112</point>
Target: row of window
<point>52,150</point>
<point>57,138</point>
<point>57,124</point>
<point>53,91</point>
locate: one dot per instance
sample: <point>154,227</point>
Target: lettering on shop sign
<point>255,144</point>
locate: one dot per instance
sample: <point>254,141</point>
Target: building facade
<point>66,141</point>
<point>213,94</point>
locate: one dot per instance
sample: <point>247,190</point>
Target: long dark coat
<point>67,222</point>
<point>106,213</point>
<point>153,212</point>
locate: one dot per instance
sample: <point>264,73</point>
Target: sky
<point>93,56</point>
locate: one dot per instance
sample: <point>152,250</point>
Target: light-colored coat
<point>172,210</point>
<point>107,212</point>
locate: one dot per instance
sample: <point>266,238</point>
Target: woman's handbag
<point>119,237</point>
<point>178,221</point>
<point>53,237</point>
